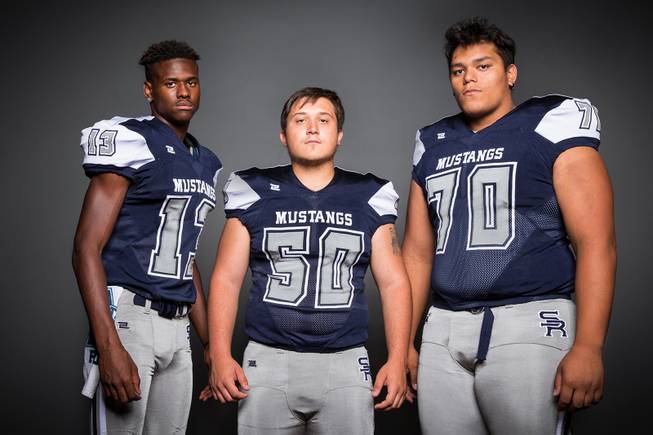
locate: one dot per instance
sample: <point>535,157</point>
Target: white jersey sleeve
<point>419,149</point>
<point>385,200</point>
<point>573,118</point>
<point>109,146</point>
<point>238,195</point>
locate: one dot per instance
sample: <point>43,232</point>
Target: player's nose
<point>312,127</point>
<point>183,90</point>
<point>469,75</point>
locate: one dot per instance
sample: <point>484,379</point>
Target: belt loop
<point>486,333</point>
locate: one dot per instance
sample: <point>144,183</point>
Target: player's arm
<point>228,274</point>
<point>104,197</point>
<point>419,245</point>
<point>198,313</point>
<point>390,276</point>
<point>584,193</point>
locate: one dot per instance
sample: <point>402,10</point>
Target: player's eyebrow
<point>177,79</point>
<point>319,113</point>
<point>477,60</point>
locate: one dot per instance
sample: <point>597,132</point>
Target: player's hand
<point>393,376</point>
<point>206,393</point>
<point>413,361</point>
<point>119,375</point>
<point>579,378</point>
<point>225,378</point>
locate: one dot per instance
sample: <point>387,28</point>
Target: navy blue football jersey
<point>309,253</point>
<point>500,236</point>
<point>152,248</point>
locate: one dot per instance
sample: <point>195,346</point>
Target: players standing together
<point>497,230</point>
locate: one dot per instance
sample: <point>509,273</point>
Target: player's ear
<point>282,138</point>
<point>147,91</point>
<point>511,72</point>
<point>340,134</point>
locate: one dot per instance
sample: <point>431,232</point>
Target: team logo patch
<point>274,187</point>
<point>364,368</point>
<point>170,149</point>
<point>552,322</point>
<point>251,363</point>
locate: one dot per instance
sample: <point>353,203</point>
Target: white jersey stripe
<point>384,201</point>
<point>238,194</point>
<point>99,418</point>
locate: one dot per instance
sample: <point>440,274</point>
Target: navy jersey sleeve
<point>239,198</point>
<point>383,205</point>
<point>216,166</point>
<point>109,146</point>
<point>574,122</point>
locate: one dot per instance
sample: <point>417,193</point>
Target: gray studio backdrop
<point>66,65</point>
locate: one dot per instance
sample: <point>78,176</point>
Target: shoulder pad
<point>109,142</point>
<point>384,201</point>
<point>238,194</point>
<point>419,149</point>
<point>446,128</point>
<point>574,117</point>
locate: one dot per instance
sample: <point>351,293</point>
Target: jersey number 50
<point>286,248</point>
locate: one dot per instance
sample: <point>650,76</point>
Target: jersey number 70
<point>490,205</point>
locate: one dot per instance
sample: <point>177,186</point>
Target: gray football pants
<point>511,392</point>
<point>160,349</point>
<point>306,393</point>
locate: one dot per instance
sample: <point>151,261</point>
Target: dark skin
<point>104,197</point>
<point>174,93</point>
<point>174,96</point>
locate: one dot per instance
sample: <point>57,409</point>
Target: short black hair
<point>166,50</point>
<point>311,94</point>
<point>475,30</point>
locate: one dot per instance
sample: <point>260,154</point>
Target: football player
<point>151,187</point>
<point>308,232</point>
<point>510,214</point>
